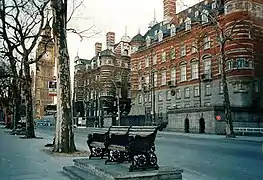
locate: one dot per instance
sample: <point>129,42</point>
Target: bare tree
<point>22,24</point>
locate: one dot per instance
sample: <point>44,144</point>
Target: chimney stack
<point>98,47</point>
<point>169,9</point>
<point>110,40</point>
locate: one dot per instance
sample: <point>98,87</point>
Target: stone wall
<point>241,118</point>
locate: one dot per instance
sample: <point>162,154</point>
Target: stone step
<point>120,171</point>
<point>75,173</point>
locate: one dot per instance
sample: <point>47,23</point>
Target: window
<point>145,98</point>
<point>251,64</point>
<point>208,89</point>
<point>140,84</point>
<point>160,111</point>
<point>221,88</point>
<point>173,30</point>
<point>149,97</point>
<point>183,73</point>
<point>160,36</point>
<point>154,59</point>
<point>160,96</point>
<point>194,69</point>
<point>178,93</point>
<point>207,66</point>
<point>207,43</point>
<point>183,50</point>
<point>196,91</point>
<point>188,24</point>
<point>214,5</point>
<point>194,47</point>
<point>147,79</point>
<point>168,95</point>
<point>139,65</point>
<point>155,80</point>
<point>256,87</point>
<point>205,15</point>
<point>240,63</point>
<point>140,99</point>
<point>172,53</point>
<point>196,14</point>
<point>186,92</point>
<point>173,74</point>
<point>163,56</point>
<point>163,78</point>
<point>147,62</point>
<point>229,65</point>
<point>148,41</point>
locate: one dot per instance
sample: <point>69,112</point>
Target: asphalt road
<point>200,158</point>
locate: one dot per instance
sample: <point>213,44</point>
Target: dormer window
<point>160,36</point>
<point>148,41</point>
<point>181,20</point>
<point>188,23</point>
<point>173,30</point>
<point>196,14</point>
<point>205,15</point>
<point>214,5</point>
<point>189,11</point>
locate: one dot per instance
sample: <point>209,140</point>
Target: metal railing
<point>244,130</point>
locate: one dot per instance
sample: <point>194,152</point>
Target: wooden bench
<point>96,141</point>
<point>137,147</point>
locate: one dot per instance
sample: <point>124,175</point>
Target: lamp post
<point>153,97</point>
<point>118,103</point>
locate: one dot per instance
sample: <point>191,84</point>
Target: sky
<point>113,15</point>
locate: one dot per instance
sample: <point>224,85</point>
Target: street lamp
<point>118,103</point>
<point>153,97</point>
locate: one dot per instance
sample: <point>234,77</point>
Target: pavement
<point>23,159</point>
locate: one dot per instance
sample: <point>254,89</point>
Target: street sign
<point>52,88</point>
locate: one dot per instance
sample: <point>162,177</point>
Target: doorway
<point>201,125</point>
<point>186,125</point>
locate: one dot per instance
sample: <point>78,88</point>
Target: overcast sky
<point>113,15</point>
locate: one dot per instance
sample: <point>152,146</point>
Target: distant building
<point>44,73</point>
<point>171,81</point>
<point>97,80</point>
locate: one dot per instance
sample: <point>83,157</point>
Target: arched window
<point>125,52</point>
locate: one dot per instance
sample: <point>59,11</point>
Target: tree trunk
<point>30,131</point>
<point>64,137</point>
<point>227,106</point>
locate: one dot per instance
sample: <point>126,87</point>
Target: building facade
<point>176,68</point>
<point>45,68</point>
<point>103,83</point>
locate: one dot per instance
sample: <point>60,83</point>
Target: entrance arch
<point>201,125</point>
<point>186,125</point>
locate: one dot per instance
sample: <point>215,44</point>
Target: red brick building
<point>176,67</point>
